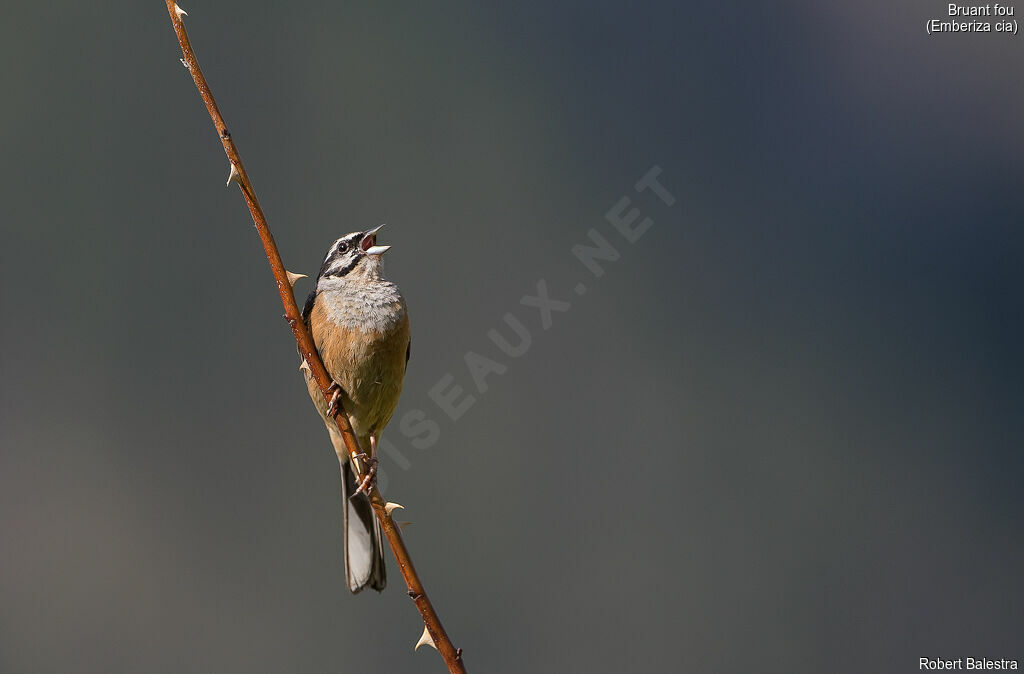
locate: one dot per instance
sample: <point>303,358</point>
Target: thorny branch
<point>434,633</point>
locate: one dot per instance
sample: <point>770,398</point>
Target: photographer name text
<point>937,664</point>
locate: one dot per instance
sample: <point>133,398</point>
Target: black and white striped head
<point>354,255</point>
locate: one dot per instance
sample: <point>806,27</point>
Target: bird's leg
<point>371,467</point>
<point>334,402</point>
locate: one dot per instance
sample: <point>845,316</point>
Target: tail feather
<point>364,553</point>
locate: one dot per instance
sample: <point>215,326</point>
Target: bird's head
<point>354,256</point>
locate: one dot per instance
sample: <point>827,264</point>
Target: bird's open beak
<point>369,242</point>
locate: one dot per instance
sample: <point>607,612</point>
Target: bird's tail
<point>364,555</point>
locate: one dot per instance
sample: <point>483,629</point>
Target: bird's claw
<point>334,402</point>
<point>369,478</point>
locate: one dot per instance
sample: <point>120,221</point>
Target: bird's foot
<point>370,477</point>
<point>334,402</point>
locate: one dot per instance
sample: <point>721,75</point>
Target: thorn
<point>233,177</point>
<point>184,63</point>
<point>391,505</point>
<point>458,653</point>
<point>304,366</point>
<point>425,640</point>
<point>293,278</point>
<point>402,525</point>
<point>412,595</point>
<point>179,11</point>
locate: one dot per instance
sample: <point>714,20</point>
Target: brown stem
<point>451,655</point>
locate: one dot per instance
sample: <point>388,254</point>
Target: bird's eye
<point>342,248</point>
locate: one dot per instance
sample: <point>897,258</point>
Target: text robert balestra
<point>935,664</point>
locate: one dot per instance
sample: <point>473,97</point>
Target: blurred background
<point>781,433</point>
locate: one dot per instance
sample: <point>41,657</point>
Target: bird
<point>360,327</point>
